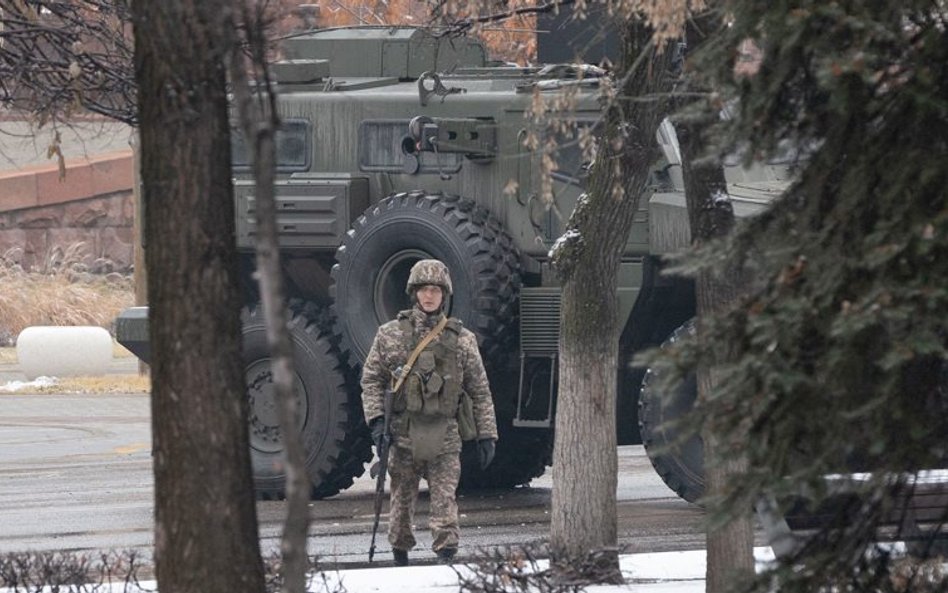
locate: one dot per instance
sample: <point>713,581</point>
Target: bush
<point>33,572</point>
<point>120,572</point>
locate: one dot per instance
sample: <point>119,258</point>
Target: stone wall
<point>103,224</point>
<point>42,211</point>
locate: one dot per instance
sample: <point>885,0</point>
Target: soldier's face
<point>429,297</point>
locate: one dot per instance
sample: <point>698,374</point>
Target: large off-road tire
<point>335,439</point>
<point>680,463</point>
<point>522,453</point>
<point>377,253</point>
<point>370,278</point>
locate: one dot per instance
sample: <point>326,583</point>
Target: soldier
<point>425,429</point>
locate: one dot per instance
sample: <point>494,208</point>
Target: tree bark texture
<point>138,235</point>
<point>259,121</point>
<point>730,543</point>
<point>584,455</point>
<point>205,518</point>
<point>583,515</point>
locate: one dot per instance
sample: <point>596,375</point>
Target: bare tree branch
<point>463,25</point>
<point>258,117</point>
<point>61,58</point>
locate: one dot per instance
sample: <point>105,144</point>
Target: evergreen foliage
<point>840,341</point>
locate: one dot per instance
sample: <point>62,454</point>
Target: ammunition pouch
<point>427,436</point>
<point>467,426</point>
<point>433,387</point>
<point>432,395</point>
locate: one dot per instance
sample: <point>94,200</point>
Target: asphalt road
<point>75,474</point>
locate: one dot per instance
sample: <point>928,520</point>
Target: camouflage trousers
<point>442,475</point>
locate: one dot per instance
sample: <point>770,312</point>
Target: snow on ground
<point>14,386</point>
<point>669,572</point>
<point>664,572</point>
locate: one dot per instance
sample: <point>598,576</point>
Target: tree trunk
<point>138,236</point>
<point>711,215</point>
<point>584,455</point>
<point>205,521</point>
<point>259,121</point>
<point>583,515</point>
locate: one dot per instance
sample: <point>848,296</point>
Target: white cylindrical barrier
<point>63,351</point>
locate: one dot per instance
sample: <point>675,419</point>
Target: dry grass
<point>119,351</point>
<point>103,384</point>
<point>124,383</point>
<point>60,292</point>
<point>7,355</point>
<point>63,291</point>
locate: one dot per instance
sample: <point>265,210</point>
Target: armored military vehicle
<point>398,145</point>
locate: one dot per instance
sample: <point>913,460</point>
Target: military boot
<point>401,557</point>
<point>446,555</point>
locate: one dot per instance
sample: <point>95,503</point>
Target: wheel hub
<point>388,294</point>
<point>265,434</point>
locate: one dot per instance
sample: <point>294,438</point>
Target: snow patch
<point>570,236</point>
<point>720,197</point>
<point>661,572</point>
<point>39,382</point>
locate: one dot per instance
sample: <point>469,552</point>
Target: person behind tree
<point>425,430</point>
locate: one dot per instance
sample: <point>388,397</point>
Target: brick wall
<point>41,210</point>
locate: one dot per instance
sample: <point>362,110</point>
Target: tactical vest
<point>433,388</point>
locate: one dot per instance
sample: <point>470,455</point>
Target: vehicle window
<point>292,147</point>
<point>380,149</point>
<point>572,166</point>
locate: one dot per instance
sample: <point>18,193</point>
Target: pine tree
<point>840,344</point>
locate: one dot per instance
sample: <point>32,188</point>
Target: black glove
<point>485,452</point>
<point>377,426</point>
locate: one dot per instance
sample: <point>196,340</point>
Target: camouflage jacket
<point>390,351</point>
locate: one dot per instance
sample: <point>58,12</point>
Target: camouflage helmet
<point>429,271</point>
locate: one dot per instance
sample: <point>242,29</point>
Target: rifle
<point>382,466</point>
